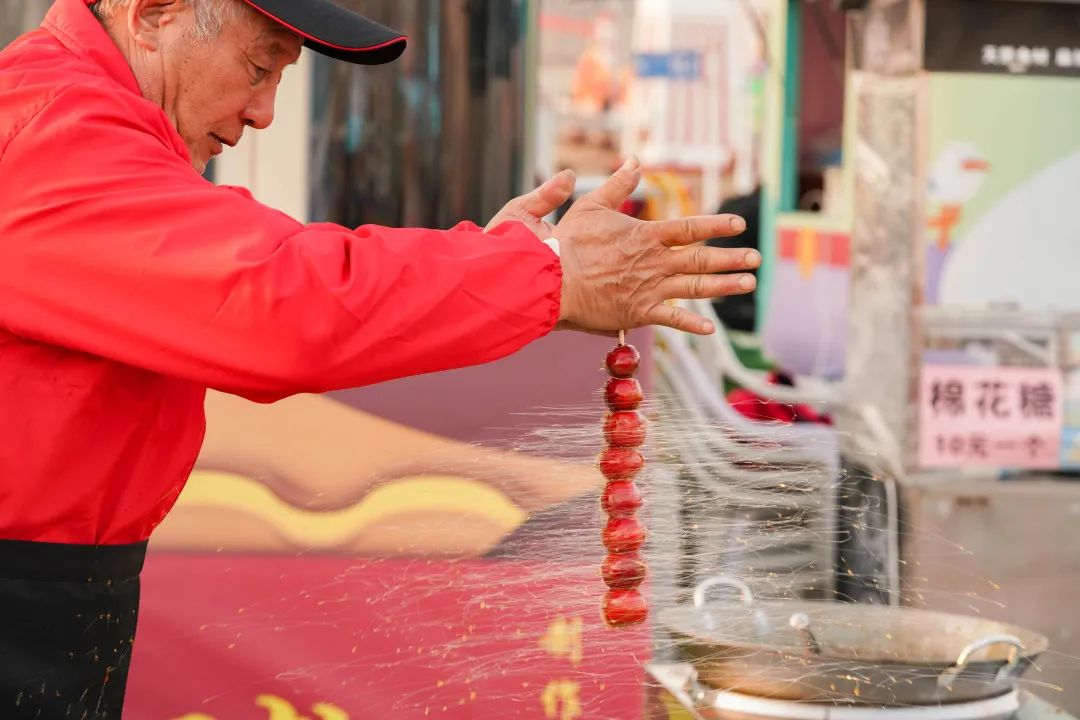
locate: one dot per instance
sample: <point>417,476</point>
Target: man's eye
<point>258,74</point>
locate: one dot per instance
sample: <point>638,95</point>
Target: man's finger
<point>703,259</point>
<point>617,188</point>
<point>690,230</point>
<point>678,318</point>
<point>550,196</point>
<point>705,287</point>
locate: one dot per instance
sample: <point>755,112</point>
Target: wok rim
<point>1040,642</point>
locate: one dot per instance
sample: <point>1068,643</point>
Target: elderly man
<point>129,285</point>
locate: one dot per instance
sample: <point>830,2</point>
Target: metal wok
<point>829,652</point>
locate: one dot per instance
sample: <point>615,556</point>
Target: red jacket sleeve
<point>110,244</point>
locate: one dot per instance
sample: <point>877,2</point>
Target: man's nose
<point>259,112</point>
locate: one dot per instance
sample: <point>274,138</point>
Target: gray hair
<point>210,15</point>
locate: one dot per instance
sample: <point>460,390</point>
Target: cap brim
<point>332,30</point>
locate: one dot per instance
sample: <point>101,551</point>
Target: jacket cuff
<point>554,270</point>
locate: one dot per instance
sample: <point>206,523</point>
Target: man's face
<point>213,88</point>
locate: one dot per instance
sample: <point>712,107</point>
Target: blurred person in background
<point>739,313</point>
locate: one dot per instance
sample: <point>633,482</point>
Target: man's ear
<point>147,18</point>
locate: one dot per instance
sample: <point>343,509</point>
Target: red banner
<point>241,637</point>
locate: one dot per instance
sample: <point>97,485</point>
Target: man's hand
<point>531,209</point>
<point>619,272</point>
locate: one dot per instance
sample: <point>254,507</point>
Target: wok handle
<point>746,595</point>
<point>947,678</point>
<point>744,591</point>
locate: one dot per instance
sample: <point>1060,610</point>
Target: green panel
<point>779,192</point>
<point>767,245</point>
<point>792,92</point>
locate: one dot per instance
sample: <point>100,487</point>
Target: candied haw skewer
<point>618,463</point>
<point>624,428</point>
<point>623,360</point>
<point>623,393</point>
<point>625,607</point>
<point>621,498</point>
<point>623,534</point>
<point>623,570</point>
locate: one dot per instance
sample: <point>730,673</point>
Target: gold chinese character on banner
<point>563,640</point>
<point>281,709</point>
<point>561,700</point>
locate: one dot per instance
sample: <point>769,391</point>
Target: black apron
<point>67,625</point>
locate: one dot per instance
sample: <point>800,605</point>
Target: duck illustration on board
<point>955,180</point>
<point>1025,248</point>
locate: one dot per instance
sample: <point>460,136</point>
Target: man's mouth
<point>220,142</point>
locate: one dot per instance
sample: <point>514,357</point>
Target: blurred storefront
<point>678,84</point>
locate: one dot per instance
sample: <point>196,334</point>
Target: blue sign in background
<point>681,65</point>
<point>1070,448</point>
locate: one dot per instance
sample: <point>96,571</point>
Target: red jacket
<point>129,284</point>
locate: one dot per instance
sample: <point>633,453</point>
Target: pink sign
<point>1008,417</point>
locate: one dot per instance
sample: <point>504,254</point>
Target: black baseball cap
<point>332,30</point>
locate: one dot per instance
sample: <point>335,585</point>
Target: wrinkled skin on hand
<point>531,209</point>
<point>619,272</point>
